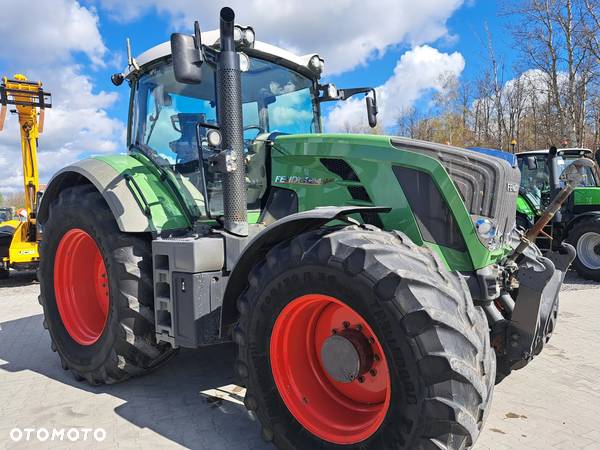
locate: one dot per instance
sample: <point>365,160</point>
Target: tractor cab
<point>541,176</point>
<point>578,221</point>
<point>174,123</point>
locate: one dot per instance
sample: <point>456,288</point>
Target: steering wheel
<point>260,130</point>
<point>255,127</point>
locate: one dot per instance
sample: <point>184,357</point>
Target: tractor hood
<point>437,192</point>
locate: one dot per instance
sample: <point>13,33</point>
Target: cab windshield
<point>535,178</point>
<point>588,176</point>
<point>166,113</point>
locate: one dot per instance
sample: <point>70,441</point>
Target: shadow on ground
<point>167,401</point>
<point>18,279</point>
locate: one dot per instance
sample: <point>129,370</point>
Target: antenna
<point>197,35</point>
<point>131,62</point>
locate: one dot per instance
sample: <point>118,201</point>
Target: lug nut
<point>376,357</point>
<point>361,379</point>
<point>373,372</point>
<point>359,327</point>
<point>346,324</point>
<point>334,331</point>
<point>371,340</point>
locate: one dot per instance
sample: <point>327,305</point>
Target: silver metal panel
<point>486,184</point>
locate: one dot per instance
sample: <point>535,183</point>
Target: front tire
<point>96,291</point>
<point>585,237</point>
<point>432,384</point>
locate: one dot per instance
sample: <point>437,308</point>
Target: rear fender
<point>579,217</point>
<point>145,209</point>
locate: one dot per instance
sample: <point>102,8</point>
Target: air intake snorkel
<point>188,58</point>
<point>229,103</point>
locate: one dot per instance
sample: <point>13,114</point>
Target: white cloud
<point>48,31</point>
<point>347,33</point>
<point>418,71</point>
<point>76,125</point>
<point>43,47</point>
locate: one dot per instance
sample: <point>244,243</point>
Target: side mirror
<point>371,111</point>
<point>531,163</point>
<point>597,157</point>
<point>330,93</point>
<point>187,56</point>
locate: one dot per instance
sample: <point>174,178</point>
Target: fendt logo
<point>512,187</point>
<point>283,179</point>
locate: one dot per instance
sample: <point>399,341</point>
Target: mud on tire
<point>127,345</point>
<point>436,342</point>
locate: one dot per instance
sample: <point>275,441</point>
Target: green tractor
<point>374,285</point>
<point>578,221</point>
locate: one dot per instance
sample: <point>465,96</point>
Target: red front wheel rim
<point>81,286</point>
<point>337,412</point>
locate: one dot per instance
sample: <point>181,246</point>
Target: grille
<point>359,193</point>
<point>481,180</point>
<point>341,168</point>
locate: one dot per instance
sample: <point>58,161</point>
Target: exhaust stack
<point>229,104</point>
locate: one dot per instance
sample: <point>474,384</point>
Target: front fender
<point>279,231</point>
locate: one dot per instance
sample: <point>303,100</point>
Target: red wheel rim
<point>81,286</point>
<point>341,413</point>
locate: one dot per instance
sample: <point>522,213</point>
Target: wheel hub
<point>81,286</point>
<point>330,369</point>
<point>588,250</point>
<point>346,355</point>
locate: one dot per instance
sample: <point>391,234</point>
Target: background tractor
<point>374,285</point>
<point>578,221</point>
<point>18,236</point>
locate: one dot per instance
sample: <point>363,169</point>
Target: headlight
<point>244,62</point>
<point>332,91</point>
<point>244,36</point>
<point>316,63</point>
<point>249,37</point>
<point>213,138</point>
<point>238,33</point>
<point>485,228</point>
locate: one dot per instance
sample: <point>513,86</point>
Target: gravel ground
<point>192,401</point>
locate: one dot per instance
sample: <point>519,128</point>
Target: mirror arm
<point>345,94</point>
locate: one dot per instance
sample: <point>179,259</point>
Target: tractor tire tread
<point>448,332</point>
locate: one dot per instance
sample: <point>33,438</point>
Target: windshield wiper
<point>154,122</point>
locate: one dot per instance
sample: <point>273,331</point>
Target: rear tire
<point>125,345</point>
<point>585,237</point>
<point>435,342</point>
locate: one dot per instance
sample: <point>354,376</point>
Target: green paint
<point>372,158</point>
<point>524,208</point>
<point>253,216</point>
<point>587,196</point>
<point>167,212</point>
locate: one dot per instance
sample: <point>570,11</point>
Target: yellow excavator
<point>18,242</point>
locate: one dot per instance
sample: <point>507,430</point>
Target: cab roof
<point>259,49</point>
<point>561,151</point>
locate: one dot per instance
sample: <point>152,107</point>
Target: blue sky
<point>466,27</point>
<point>399,46</point>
